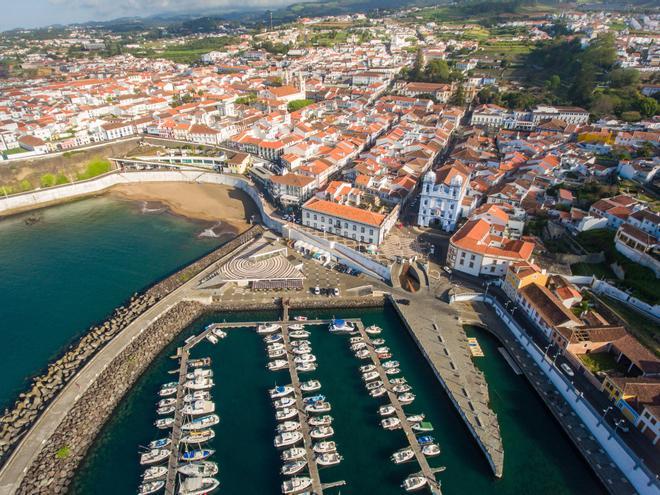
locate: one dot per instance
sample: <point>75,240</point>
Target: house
<point>544,309</point>
<point>638,246</point>
<point>116,130</point>
<point>616,210</point>
<point>239,163</point>
<point>292,188</point>
<point>521,274</point>
<point>639,401</point>
<point>31,143</point>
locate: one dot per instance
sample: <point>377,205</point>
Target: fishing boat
<point>382,349</point>
<point>199,372</point>
<point>379,392</point>
<point>150,487</point>
<point>373,330</point>
<point>272,339</point>
<point>201,423</point>
<point>314,398</point>
<point>325,420</point>
<point>373,385</point>
<point>431,450</point>
<point>278,364</point>
<point>413,483</point>
<point>276,353</point>
<point>286,413</point>
<point>390,364</point>
<point>425,440</point>
<point>268,328</point>
<point>300,343</point>
<point>293,454</point>
<point>403,455</point>
<point>167,402</point>
<point>398,381</point>
<point>199,363</point>
<point>296,326</point>
<point>329,459</point>
<point>167,391</point>
<point>154,456</point>
<point>154,473</point>
<point>318,407</point>
<point>386,410</point>
<point>219,332</point>
<point>422,427</point>
<point>200,469</point>
<point>310,386</point>
<point>199,407</point>
<point>358,346</point>
<point>293,467</point>
<point>211,338</point>
<point>406,398</point>
<point>198,395</point>
<point>341,326</point>
<point>296,485</point>
<point>391,423</point>
<point>299,334</point>
<point>303,349</point>
<point>164,423</point>
<point>288,426</point>
<point>199,383</point>
<point>161,443</point>
<point>392,371</point>
<point>362,354</point>
<point>415,418</point>
<point>196,455</point>
<point>288,438</point>
<point>404,387</point>
<point>162,411</point>
<point>356,340</point>
<point>305,367</point>
<point>378,341</point>
<point>322,432</point>
<point>198,436</point>
<point>284,402</point>
<point>367,368</point>
<point>281,391</point>
<point>305,358</point>
<point>198,486</point>
<point>384,355</point>
<point>300,318</point>
<point>325,447</point>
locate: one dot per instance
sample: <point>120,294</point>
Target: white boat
<point>164,423</point>
<point>293,467</point>
<point>300,318</point>
<point>300,343</point>
<point>341,326</point>
<point>162,411</point>
<point>167,391</point>
<point>196,455</point>
<point>199,407</point>
<point>150,487</point>
<point>373,385</point>
<point>296,326</point>
<point>363,354</point>
<point>299,334</point>
<point>278,364</point>
<point>198,486</point>
<point>406,398</point>
<point>329,459</point>
<point>305,358</point>
<point>413,483</point>
<point>379,392</point>
<point>286,413</point>
<point>296,485</point>
<point>399,389</point>
<point>367,368</point>
<point>284,402</point>
<point>275,346</point>
<point>391,423</point>
<point>325,420</point>
<point>415,418</point>
<point>201,423</point>
<point>287,439</point>
<point>154,473</point>
<point>386,410</point>
<point>305,367</point>
<point>358,346</point>
<point>271,339</point>
<point>199,372</point>
<point>373,330</point>
<point>390,364</point>
<point>356,340</point>
<point>154,456</point>
<point>211,338</point>
<point>199,383</point>
<point>392,371</point>
<point>318,407</point>
<point>288,426</point>
<point>310,386</point>
<point>160,443</point>
<point>398,381</point>
<point>298,351</point>
<point>200,362</point>
<point>198,395</point>
<point>268,328</point>
<point>322,432</point>
<point>200,469</point>
<point>378,342</point>
<point>324,447</point>
<point>281,391</point>
<point>198,436</point>
<point>219,332</point>
<point>276,354</point>
<point>403,455</point>
<point>382,349</point>
<point>431,450</point>
<point>293,454</point>
<point>167,402</point>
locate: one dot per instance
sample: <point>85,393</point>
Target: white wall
<point>601,287</point>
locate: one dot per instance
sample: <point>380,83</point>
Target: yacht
<point>415,418</point>
<point>286,413</point>
<point>329,459</point>
<point>373,385</point>
<point>287,439</point>
<point>196,455</point>
<point>431,450</point>
<point>199,363</point>
<point>154,456</point>
<point>201,423</point>
<point>296,485</point>
<point>167,402</point>
<point>403,455</point>
<point>200,469</point>
<point>198,436</point>
<point>199,372</point>
<point>341,326</point>
<point>154,473</point>
<point>198,486</point>
<point>300,318</point>
<point>150,487</point>
<point>379,392</point>
<point>293,467</point>
<point>392,371</point>
<point>363,354</point>
<point>373,330</point>
<point>367,368</point>
<point>413,483</point>
<point>288,426</point>
<point>299,334</point>
<point>268,328</point>
<point>386,410</point>
<point>391,423</point>
<point>167,391</point>
<point>390,364</point>
<point>199,383</point>
<point>293,454</point>
<point>160,443</point>
<point>274,338</point>
<point>325,420</point>
<point>278,364</point>
<point>325,447</point>
<point>406,398</point>
<point>305,367</point>
<point>322,432</point>
<point>318,407</point>
<point>284,402</point>
<point>296,326</point>
<point>198,395</point>
<point>310,386</point>
<point>164,423</point>
<point>219,332</point>
<point>162,411</point>
<point>281,391</point>
<point>378,342</point>
<point>422,427</point>
<point>404,387</point>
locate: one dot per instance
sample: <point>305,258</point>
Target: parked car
<point>335,291</point>
<point>567,369</point>
<point>317,291</point>
<point>405,302</point>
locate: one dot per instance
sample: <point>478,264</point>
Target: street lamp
<point>605,411</point>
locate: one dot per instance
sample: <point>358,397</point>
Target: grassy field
<point>95,167</point>
<point>601,361</point>
<point>646,330</point>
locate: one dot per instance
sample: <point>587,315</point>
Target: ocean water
<point>72,268</point>
<point>539,458</point>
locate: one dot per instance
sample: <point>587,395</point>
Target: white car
<point>567,369</point>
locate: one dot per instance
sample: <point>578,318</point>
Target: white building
<point>442,196</point>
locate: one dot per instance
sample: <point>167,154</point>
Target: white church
<point>441,198</point>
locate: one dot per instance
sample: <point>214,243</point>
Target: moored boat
<point>198,486</point>
<point>150,487</point>
<point>200,362</point>
<point>322,432</point>
<point>324,447</point>
<point>406,398</point>
<point>305,367</point>
<point>373,330</point>
<point>284,402</point>
<point>328,459</point>
<point>391,423</point>
<point>422,427</point>
<point>268,328</point>
<point>281,391</point>
<point>293,454</point>
<point>288,426</point>
<point>211,338</point>
<point>160,443</point>
<point>392,371</point>
<point>403,455</point>
<point>219,332</point>
<point>286,413</point>
<point>404,387</point>
<point>196,455</point>
<point>367,368</point>
<point>164,423</point>
<point>199,372</point>
<point>162,411</point>
<point>299,334</point>
<point>167,402</point>
<point>200,469</point>
<point>373,385</point>
<point>154,473</point>
<point>300,318</point>
<point>201,423</point>
<point>198,395</point>
<point>341,326</point>
<point>296,485</point>
<point>199,383</point>
<point>324,420</point>
<point>386,410</point>
<point>198,436</point>
<point>310,386</point>
<point>370,375</point>
<point>287,439</point>
<point>390,364</point>
<point>318,407</point>
<point>413,483</point>
<point>378,392</point>
<point>293,467</point>
<point>278,364</point>
<point>154,456</point>
<point>296,326</point>
<point>271,339</point>
<point>431,450</point>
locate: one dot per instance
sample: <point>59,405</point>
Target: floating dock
<point>475,348</point>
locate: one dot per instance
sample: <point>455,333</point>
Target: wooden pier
<point>426,470</point>
<point>173,462</point>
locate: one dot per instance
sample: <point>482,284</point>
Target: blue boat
<point>196,455</point>
<point>314,398</point>
<point>425,440</point>
<point>157,444</point>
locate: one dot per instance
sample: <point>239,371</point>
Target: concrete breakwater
<point>30,404</point>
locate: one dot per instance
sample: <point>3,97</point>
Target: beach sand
<point>208,202</point>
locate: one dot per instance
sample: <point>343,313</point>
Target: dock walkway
<point>173,462</point>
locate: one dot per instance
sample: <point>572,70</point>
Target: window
<point>354,229</point>
<point>472,257</point>
<point>461,262</point>
<point>471,264</point>
<point>371,231</point>
<point>362,230</point>
<point>314,217</point>
<point>463,254</point>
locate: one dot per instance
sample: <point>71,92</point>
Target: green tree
<point>416,74</point>
<point>458,98</point>
<point>648,106</point>
<point>553,83</point>
<point>621,78</point>
<point>437,71</point>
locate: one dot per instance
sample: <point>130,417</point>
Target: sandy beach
<point>208,202</point>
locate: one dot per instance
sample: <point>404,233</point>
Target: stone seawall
<point>29,405</point>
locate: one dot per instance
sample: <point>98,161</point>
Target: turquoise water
<point>539,458</point>
<point>72,268</point>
